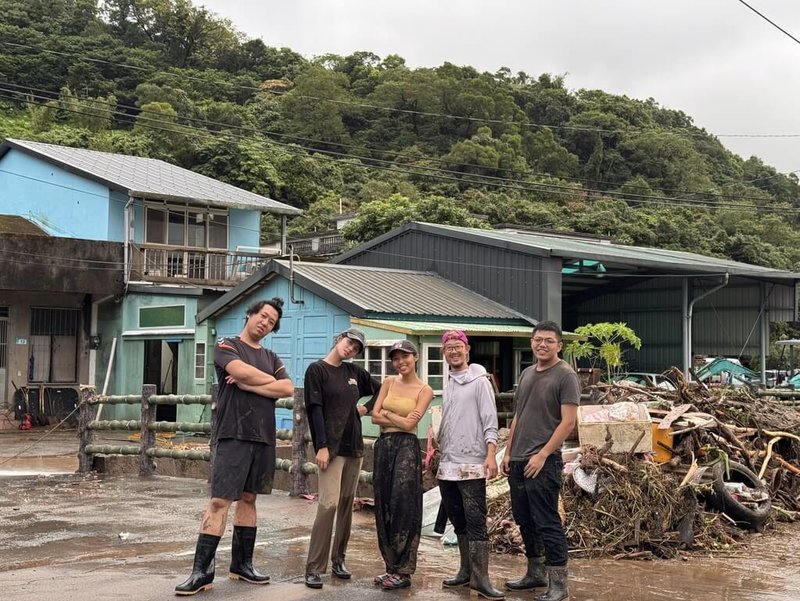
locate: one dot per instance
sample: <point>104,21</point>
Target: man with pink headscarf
<point>468,441</point>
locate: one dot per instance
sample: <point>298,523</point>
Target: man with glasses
<point>468,442</point>
<point>545,410</point>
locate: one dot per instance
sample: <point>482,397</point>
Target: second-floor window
<point>184,227</point>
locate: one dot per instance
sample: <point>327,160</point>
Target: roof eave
<point>9,144</point>
<point>228,204</point>
<point>264,275</point>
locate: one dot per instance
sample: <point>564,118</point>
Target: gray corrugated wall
<point>724,323</point>
<point>530,285</point>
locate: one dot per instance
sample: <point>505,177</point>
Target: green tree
<point>317,105</point>
<point>318,216</point>
<point>666,160</point>
<point>604,343</point>
<point>546,155</point>
<point>485,155</point>
<point>251,164</point>
<point>379,216</point>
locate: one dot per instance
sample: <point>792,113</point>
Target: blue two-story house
<point>164,241</point>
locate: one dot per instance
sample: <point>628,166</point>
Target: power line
<point>98,265</point>
<point>424,171</point>
<point>183,76</point>
<point>387,151</point>
<point>43,94</point>
<point>768,20</point>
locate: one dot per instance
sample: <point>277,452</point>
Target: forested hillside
<point>168,79</point>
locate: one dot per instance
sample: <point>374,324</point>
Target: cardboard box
<point>623,434</point>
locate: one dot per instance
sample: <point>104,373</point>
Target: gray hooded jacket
<point>469,417</point>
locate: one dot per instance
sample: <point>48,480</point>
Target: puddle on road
<point>150,525</point>
<point>38,466</point>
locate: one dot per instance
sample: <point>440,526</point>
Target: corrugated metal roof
<point>435,328</point>
<point>569,247</point>
<point>396,291</point>
<point>149,178</point>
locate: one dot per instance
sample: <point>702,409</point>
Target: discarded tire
<point>749,514</point>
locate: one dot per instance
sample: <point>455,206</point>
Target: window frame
<point>32,348</point>
<point>518,362</point>
<point>200,359</point>
<point>364,357</point>
<point>155,308</point>
<point>189,213</point>
<point>425,362</point>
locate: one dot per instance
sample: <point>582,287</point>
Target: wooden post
<point>299,427</point>
<point>147,466</point>
<point>86,415</point>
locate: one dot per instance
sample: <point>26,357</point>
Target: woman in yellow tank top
<point>397,470</point>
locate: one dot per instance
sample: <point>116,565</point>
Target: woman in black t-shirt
<point>332,388</point>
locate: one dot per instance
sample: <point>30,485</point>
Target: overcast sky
<point>716,60</point>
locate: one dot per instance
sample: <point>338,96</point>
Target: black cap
<point>405,346</point>
<point>355,334</point>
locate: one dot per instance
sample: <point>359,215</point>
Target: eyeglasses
<point>455,349</point>
<point>545,341</point>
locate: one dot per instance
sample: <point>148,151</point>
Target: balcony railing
<point>317,245</point>
<point>178,264</point>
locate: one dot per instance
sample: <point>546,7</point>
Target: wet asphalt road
<point>65,537</point>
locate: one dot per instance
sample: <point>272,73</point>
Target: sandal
<point>395,581</point>
<point>379,579</point>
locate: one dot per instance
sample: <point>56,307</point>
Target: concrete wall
<point>42,263</point>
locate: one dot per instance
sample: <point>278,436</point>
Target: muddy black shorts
<point>242,466</point>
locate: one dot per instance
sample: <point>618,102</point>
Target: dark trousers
<point>397,484</point>
<point>534,503</point>
<point>465,504</point>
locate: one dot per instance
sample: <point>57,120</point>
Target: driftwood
<point>641,510</point>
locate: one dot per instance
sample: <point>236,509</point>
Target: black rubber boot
<point>203,569</point>
<point>535,577</point>
<point>479,583</point>
<point>340,570</point>
<point>462,578</point>
<point>558,584</point>
<point>244,541</point>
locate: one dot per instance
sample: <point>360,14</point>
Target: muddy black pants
<point>397,484</point>
<point>465,504</point>
<point>534,503</point>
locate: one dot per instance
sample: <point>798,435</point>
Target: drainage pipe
<point>687,319</point>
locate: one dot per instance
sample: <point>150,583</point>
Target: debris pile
<point>733,463</point>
